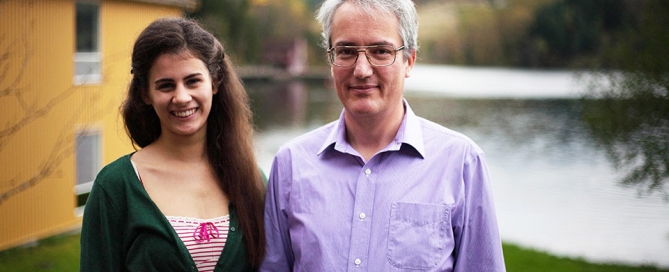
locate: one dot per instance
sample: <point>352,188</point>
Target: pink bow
<point>205,231</point>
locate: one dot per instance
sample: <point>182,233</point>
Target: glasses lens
<point>381,55</point>
<point>344,55</point>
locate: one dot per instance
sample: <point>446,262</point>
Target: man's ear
<point>410,62</point>
<point>331,68</point>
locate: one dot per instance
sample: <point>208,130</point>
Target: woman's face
<point>181,92</point>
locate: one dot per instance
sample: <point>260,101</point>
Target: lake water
<point>555,188</point>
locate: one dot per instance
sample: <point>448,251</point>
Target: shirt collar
<point>409,133</point>
<point>337,136</point>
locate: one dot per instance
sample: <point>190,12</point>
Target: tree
<point>259,31</point>
<point>629,116</point>
<point>575,33</point>
<point>232,22</point>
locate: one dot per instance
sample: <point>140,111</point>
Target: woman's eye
<point>193,81</point>
<point>165,86</point>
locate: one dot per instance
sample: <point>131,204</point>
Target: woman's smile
<point>183,114</point>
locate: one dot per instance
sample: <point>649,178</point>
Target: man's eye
<point>346,51</point>
<point>381,51</point>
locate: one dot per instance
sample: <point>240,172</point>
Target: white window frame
<point>93,75</point>
<point>88,65</point>
<point>95,153</point>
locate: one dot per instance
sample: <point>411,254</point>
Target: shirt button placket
<point>362,214</point>
<point>360,229</point>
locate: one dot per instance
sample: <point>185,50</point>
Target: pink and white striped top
<point>204,238</point>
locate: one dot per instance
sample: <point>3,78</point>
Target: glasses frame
<point>359,49</point>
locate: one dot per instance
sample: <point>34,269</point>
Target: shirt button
<point>232,228</point>
<point>362,215</point>
<point>368,171</point>
<point>357,262</point>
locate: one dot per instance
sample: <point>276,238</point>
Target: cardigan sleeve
<point>101,234</point>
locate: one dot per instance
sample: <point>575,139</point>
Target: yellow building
<point>64,70</point>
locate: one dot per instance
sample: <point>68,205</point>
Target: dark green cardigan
<point>123,230</point>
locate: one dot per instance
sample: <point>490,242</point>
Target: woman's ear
<point>214,89</point>
<point>145,97</point>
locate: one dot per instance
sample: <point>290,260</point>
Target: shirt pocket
<point>418,235</point>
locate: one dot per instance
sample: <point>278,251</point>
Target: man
<point>380,189</point>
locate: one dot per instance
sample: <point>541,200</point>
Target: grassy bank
<point>525,260</point>
<point>61,253</point>
<point>58,253</point>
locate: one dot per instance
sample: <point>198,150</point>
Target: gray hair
<point>404,10</point>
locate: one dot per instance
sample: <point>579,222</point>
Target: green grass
<point>57,253</point>
<point>520,259</point>
<point>61,253</point>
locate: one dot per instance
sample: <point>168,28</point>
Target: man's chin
<point>362,108</point>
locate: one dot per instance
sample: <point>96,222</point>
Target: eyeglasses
<point>377,55</point>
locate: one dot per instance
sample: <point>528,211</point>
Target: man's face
<point>363,89</point>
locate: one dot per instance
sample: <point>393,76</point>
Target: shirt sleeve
<point>101,236</point>
<point>478,245</point>
<point>279,255</point>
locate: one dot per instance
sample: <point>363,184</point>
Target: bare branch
<point>15,57</point>
<point>32,116</point>
<point>62,149</point>
<point>12,88</point>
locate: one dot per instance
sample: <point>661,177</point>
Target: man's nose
<point>363,68</point>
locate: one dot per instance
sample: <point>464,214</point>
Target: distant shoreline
<point>271,73</point>
<point>460,81</point>
<point>496,82</point>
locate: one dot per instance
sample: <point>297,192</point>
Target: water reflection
<point>516,121</point>
<point>291,104</point>
<point>554,187</point>
<point>635,134</point>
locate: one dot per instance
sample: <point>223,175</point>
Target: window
<point>88,164</point>
<point>87,58</point>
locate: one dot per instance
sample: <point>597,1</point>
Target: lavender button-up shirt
<point>423,203</point>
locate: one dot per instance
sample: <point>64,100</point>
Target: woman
<point>191,198</point>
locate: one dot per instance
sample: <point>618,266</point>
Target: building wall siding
<point>41,110</point>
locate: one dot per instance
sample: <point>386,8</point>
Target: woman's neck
<point>187,149</point>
